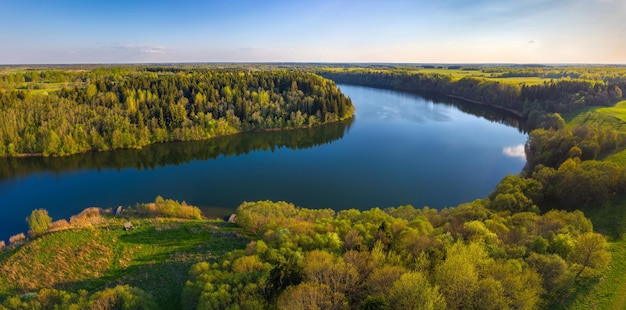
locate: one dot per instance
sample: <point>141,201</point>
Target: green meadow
<point>155,256</point>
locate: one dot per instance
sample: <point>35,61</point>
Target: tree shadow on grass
<point>609,218</point>
<point>159,260</point>
<point>164,281</point>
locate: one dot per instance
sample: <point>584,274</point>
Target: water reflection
<point>176,153</point>
<point>401,106</point>
<point>487,112</point>
<point>517,151</point>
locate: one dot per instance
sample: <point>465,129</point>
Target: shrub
<point>169,208</point>
<point>87,217</point>
<point>59,225</point>
<point>122,297</point>
<point>15,239</point>
<point>38,222</point>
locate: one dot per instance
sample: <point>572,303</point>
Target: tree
<point>122,297</point>
<point>458,276</point>
<point>38,222</point>
<point>413,291</point>
<point>590,252</point>
<point>308,295</point>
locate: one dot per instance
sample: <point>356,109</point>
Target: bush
<point>87,217</point>
<point>59,225</point>
<point>15,239</point>
<point>169,208</point>
<point>38,222</point>
<point>122,297</point>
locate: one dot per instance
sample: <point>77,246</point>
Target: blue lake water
<point>399,149</point>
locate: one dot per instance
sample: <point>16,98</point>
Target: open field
<point>609,291</point>
<point>155,257</point>
<point>456,74</point>
<point>613,117</point>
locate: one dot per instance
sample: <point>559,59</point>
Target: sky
<point>389,31</point>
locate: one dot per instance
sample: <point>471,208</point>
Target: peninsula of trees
<point>61,112</point>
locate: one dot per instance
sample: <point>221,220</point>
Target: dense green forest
<point>63,112</point>
<point>293,258</point>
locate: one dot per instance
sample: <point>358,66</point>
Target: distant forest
<point>62,112</point>
<point>566,91</point>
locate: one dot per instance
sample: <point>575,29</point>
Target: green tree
<point>590,252</point>
<point>123,297</point>
<point>309,295</point>
<point>38,222</point>
<point>413,291</point>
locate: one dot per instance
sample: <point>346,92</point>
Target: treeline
<point>467,257</point>
<point>160,155</point>
<point>113,108</point>
<point>614,74</point>
<point>530,101</point>
<point>118,297</point>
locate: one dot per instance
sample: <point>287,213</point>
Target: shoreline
<point>40,155</point>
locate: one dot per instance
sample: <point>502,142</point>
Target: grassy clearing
<point>155,257</point>
<point>610,218</point>
<point>614,116</point>
<point>617,111</point>
<point>458,74</point>
<point>604,117</point>
<point>610,291</point>
<point>531,80</point>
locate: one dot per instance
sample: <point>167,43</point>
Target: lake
<point>399,149</point>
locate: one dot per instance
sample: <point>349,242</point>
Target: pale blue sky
<point>438,31</point>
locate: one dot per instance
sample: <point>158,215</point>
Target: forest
<point>62,112</point>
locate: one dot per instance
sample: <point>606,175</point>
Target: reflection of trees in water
<point>175,153</point>
<point>487,112</point>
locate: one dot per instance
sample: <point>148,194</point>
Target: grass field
<point>614,116</point>
<point>609,291</point>
<point>155,257</point>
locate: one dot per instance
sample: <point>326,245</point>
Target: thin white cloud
<point>515,151</point>
<point>143,49</point>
